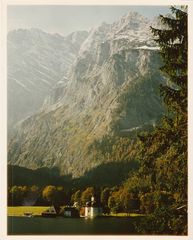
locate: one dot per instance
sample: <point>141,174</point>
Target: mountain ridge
<point>36,62</point>
<point>111,86</point>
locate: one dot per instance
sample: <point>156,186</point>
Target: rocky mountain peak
<point>134,19</point>
<point>108,87</point>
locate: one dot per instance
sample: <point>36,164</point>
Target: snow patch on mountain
<point>149,48</point>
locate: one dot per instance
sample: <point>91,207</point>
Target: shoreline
<point>19,211</point>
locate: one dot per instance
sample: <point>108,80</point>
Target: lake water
<point>71,226</point>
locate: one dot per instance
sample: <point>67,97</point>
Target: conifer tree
<point>164,151</point>
<point>173,44</point>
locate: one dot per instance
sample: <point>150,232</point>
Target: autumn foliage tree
<point>87,194</point>
<point>50,193</point>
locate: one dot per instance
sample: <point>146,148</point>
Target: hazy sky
<point>66,19</point>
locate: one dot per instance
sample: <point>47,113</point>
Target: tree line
<point>113,200</point>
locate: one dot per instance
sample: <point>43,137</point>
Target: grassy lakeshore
<point>37,210</point>
<point>126,214</point>
<point>20,210</point>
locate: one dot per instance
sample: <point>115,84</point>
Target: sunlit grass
<point>19,211</point>
<point>126,214</point>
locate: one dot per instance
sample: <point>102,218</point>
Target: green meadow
<point>19,211</point>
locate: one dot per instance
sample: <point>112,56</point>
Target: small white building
<point>92,209</point>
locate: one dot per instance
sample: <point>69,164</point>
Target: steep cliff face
<point>36,62</point>
<point>111,89</point>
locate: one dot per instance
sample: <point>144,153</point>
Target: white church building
<point>92,209</point>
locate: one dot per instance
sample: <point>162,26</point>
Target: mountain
<point>111,91</point>
<point>36,62</point>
